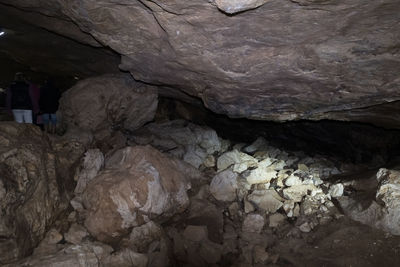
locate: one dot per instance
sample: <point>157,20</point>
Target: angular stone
<point>253,223</point>
<point>296,193</point>
<point>336,190</point>
<point>267,200</point>
<point>259,144</point>
<point>276,219</point>
<point>263,174</point>
<point>242,161</point>
<point>224,185</point>
<point>75,234</point>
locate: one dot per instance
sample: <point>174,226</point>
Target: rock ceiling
<point>266,60</point>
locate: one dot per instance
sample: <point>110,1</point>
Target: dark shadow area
<point>346,141</point>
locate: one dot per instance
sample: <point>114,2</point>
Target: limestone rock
<point>267,200</point>
<point>30,194</point>
<point>241,161</point>
<point>253,223</point>
<point>264,173</point>
<point>235,6</point>
<point>138,184</point>
<point>296,193</point>
<point>108,101</point>
<point>336,190</point>
<point>223,186</point>
<point>259,144</point>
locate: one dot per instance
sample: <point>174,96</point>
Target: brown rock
<point>30,196</point>
<point>102,103</point>
<point>140,184</point>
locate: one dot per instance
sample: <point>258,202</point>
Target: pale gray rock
<point>241,161</point>
<point>235,6</point>
<point>253,223</point>
<point>336,190</point>
<point>194,155</point>
<point>259,144</point>
<point>264,173</point>
<point>297,192</point>
<point>267,200</point>
<point>224,185</point>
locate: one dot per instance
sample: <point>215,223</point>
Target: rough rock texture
<point>108,102</point>
<point>31,197</point>
<point>384,213</point>
<point>139,184</point>
<point>284,60</point>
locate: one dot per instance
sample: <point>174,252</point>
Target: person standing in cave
<point>48,103</point>
<point>20,99</point>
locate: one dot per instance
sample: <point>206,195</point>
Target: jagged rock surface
<point>32,190</point>
<point>140,184</point>
<point>286,60</point>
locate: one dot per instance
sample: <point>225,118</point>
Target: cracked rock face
<point>280,60</point>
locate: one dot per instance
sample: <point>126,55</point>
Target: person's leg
<point>53,123</point>
<point>18,115</point>
<point>27,116</point>
<point>46,120</point>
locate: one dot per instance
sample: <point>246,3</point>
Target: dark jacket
<point>19,96</point>
<point>49,96</point>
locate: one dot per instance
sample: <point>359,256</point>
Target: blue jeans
<point>49,117</point>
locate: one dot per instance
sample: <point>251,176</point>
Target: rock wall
<point>33,193</point>
<point>275,60</point>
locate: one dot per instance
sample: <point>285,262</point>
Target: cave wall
<point>273,60</point>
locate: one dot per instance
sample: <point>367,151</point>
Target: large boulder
<point>108,102</point>
<point>30,195</point>
<point>138,184</point>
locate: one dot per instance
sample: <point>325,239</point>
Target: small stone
<point>223,186</point>
<point>241,161</point>
<point>305,227</point>
<point>76,234</point>
<point>288,207</point>
<point>211,252</point>
<point>253,223</point>
<point>195,233</point>
<point>336,190</point>
<point>260,255</point>
<point>238,146</point>
<point>209,162</point>
<point>297,192</point>
<point>263,174</point>
<point>293,180</point>
<point>276,219</point>
<point>234,209</point>
<point>248,207</point>
<point>257,145</point>
<point>302,167</point>
<point>268,200</point>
